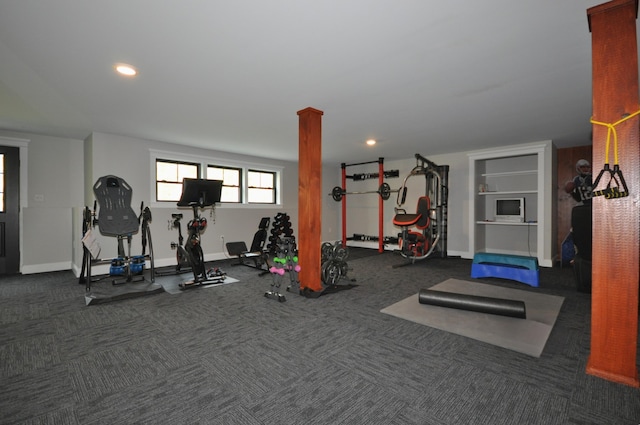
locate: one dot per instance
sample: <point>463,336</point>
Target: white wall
<point>61,174</point>
<point>231,222</point>
<point>63,171</point>
<point>362,210</point>
<point>53,187</point>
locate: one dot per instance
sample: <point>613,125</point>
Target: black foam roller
<point>502,307</point>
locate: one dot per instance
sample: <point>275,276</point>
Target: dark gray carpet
<point>231,356</point>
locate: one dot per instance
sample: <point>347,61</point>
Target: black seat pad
<point>116,217</point>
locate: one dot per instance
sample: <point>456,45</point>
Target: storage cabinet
<point>522,172</point>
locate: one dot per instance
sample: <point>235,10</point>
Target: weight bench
<point>256,254</point>
<point>506,266</point>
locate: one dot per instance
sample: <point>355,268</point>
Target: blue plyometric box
<point>506,266</point>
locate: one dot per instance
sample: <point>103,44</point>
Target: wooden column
<point>310,200</point>
<point>380,206</point>
<point>615,267</point>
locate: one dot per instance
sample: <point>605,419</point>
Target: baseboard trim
<point>43,268</point>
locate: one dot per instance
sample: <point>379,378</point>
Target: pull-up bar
<point>379,161</point>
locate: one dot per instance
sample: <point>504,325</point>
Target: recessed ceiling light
<point>371,142</point>
<point>127,70</point>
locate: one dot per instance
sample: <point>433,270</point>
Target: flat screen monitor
<point>200,192</point>
<point>510,210</point>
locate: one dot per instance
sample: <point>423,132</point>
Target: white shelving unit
<point>521,171</point>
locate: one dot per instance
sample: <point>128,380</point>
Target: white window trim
<point>204,162</point>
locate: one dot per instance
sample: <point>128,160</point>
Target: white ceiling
<point>418,75</point>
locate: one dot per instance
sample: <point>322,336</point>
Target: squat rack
<point>381,174</point>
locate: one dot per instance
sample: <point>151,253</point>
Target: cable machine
<point>425,231</point>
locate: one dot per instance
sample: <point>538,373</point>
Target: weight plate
<point>327,251</point>
<point>343,269</point>
<point>337,193</point>
<point>385,191</point>
<point>324,271</point>
<point>340,253</point>
<point>332,273</point>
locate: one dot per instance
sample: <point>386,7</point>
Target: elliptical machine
<point>196,194</point>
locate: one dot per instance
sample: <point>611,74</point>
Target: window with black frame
<point>169,176</point>
<point>261,188</point>
<point>231,182</point>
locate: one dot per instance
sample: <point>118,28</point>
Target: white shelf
<point>506,223</point>
<point>511,173</point>
<point>522,171</point>
<point>507,192</point>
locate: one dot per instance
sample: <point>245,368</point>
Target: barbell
<point>384,191</point>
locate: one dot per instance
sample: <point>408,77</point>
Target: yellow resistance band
<point>611,128</point>
<point>615,175</point>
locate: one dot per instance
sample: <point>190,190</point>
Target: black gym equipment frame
<point>198,194</point>
<point>255,257</point>
<point>117,218</point>
<point>434,234</point>
<point>384,191</point>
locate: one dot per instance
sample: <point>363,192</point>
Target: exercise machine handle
<point>95,213</point>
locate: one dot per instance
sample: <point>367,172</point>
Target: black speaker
<point>581,229</point>
<point>581,218</point>
<point>582,272</point>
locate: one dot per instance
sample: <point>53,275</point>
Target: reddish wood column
<point>380,206</point>
<point>310,199</point>
<point>615,266</point>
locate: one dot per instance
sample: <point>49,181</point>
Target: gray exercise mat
<point>527,336</point>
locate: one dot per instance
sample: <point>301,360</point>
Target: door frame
<point>23,145</point>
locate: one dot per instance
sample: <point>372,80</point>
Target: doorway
<point>9,210</point>
<point>567,159</point>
